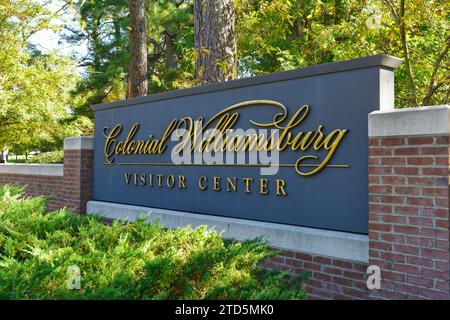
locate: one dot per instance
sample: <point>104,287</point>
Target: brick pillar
<point>409,202</point>
<point>78,164</point>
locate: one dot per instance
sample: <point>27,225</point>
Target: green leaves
<point>34,87</point>
<point>277,35</point>
<point>126,261</point>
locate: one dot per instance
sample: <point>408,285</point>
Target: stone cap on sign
<point>333,244</point>
<point>434,120</point>
<point>79,143</point>
<point>381,60</point>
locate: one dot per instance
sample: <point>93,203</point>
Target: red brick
<point>406,249</point>
<point>294,263</point>
<point>440,223</point>
<point>420,161</point>
<point>342,264</point>
<point>289,254</point>
<point>435,150</point>
<point>392,141</point>
<point>394,276</point>
<point>407,171</point>
<point>397,238</point>
<point>442,285</point>
<point>392,257</point>
<point>395,161</point>
<point>303,256</point>
<point>332,270</point>
<point>406,210</point>
<point>420,140</point>
<point>435,254</point>
<point>434,294</point>
<point>322,260</point>
<point>406,230</point>
<point>394,219</point>
<point>379,170</point>
<point>420,221</point>
<point>442,140</point>
<point>374,180</point>
<point>376,245</point>
<point>442,161</point>
<point>435,233</point>
<point>311,266</point>
<point>380,189</point>
<point>433,273</point>
<point>441,202</point>
<point>435,171</point>
<point>408,269</point>
<point>406,190</point>
<point>438,213</point>
<point>393,180</point>
<point>392,199</point>
<point>407,151</point>
<point>419,261</point>
<point>321,276</point>
<point>435,192</point>
<point>343,281</point>
<point>354,275</point>
<point>420,181</point>
<point>419,201</point>
<point>379,226</point>
<point>379,152</point>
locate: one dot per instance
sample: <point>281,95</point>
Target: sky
<point>49,40</point>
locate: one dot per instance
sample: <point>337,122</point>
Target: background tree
<point>215,40</point>
<point>276,35</point>
<point>105,26</point>
<point>34,87</point>
<point>137,79</point>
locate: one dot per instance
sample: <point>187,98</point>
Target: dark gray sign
<point>303,134</point>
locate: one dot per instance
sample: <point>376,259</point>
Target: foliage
<point>34,87</point>
<point>273,35</point>
<point>298,33</point>
<point>48,157</point>
<point>105,28</point>
<point>125,260</point>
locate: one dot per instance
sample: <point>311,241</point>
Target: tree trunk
<point>138,68</point>
<point>171,59</point>
<point>412,87</point>
<point>215,40</point>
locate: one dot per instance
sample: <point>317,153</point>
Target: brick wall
<point>409,215</point>
<point>330,278</point>
<point>78,165</point>
<point>72,189</point>
<point>38,185</point>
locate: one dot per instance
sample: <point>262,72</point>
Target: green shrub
<point>126,260</point>
<point>48,157</point>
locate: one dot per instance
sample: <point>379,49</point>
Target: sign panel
<point>287,148</point>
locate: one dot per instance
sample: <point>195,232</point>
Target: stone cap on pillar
<point>434,120</point>
<point>79,143</point>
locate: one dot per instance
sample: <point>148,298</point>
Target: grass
<point>126,260</point>
<point>18,159</point>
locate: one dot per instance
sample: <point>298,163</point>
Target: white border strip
<point>334,244</point>
<point>33,169</point>
<point>410,121</point>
